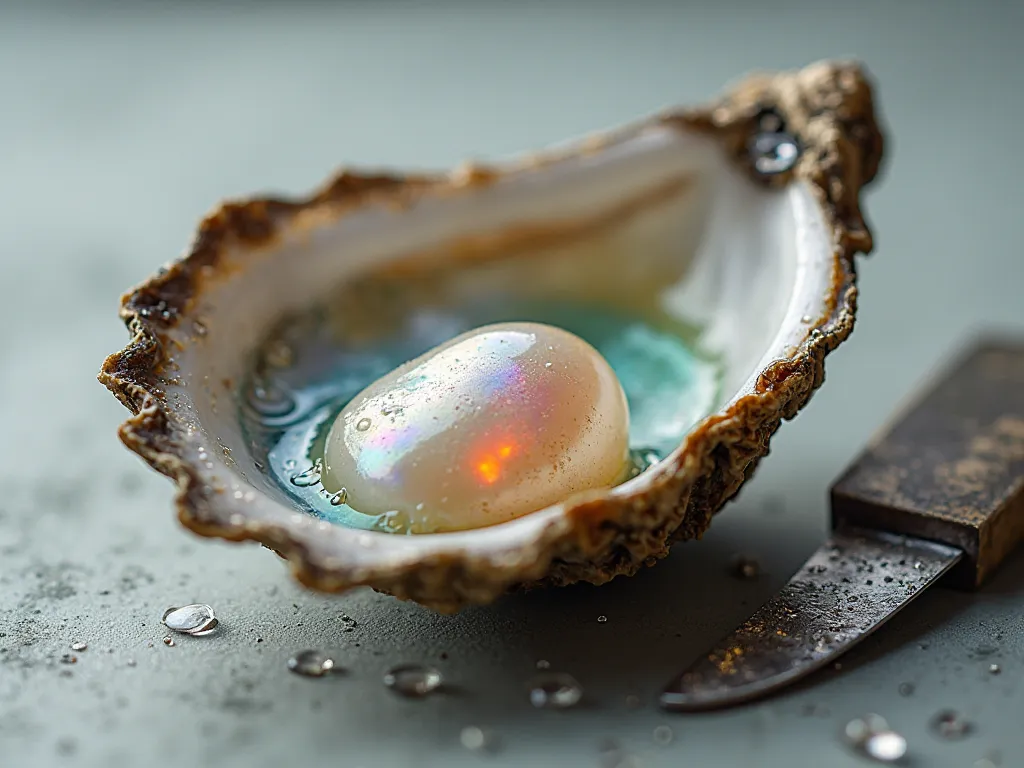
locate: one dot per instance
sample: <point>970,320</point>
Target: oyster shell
<point>744,214</point>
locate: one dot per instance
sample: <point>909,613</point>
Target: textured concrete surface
<point>120,125</point>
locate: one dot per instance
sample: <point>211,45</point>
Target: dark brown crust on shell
<point>828,106</point>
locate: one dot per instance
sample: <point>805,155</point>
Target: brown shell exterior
<point>828,105</point>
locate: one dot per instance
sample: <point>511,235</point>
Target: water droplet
<point>993,669</point>
<point>308,477</point>
<point>413,680</point>
<point>806,319</point>
<point>131,662</point>
<point>290,464</point>
<point>169,641</point>
<point>745,567</point>
<point>602,619</point>
<point>78,645</point>
<point>311,663</point>
<point>269,399</point>
<point>348,624</point>
<point>555,690</point>
<point>871,736</point>
<point>906,689</point>
<point>773,152</point>
<point>69,658</point>
<point>196,619</point>
<point>200,328</point>
<point>547,365</point>
<point>950,724</point>
<point>339,498</point>
<point>543,664</point>
<point>478,739</point>
<point>362,425</point>
<point>663,735</point>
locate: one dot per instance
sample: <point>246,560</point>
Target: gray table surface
<point>120,125</point>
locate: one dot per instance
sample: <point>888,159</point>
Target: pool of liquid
<point>312,365</point>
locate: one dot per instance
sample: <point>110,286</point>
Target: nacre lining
<point>498,422</point>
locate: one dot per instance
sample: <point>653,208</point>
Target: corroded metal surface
<point>951,468</point>
<point>846,590</point>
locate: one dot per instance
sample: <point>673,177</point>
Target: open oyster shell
<point>746,210</point>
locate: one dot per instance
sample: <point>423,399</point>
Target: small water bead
<point>363,424</point>
<point>196,619</point>
<point>308,477</point>
<point>78,646</point>
<point>871,736</point>
<point>311,663</point>
<point>950,724</point>
<point>555,690</point>
<point>774,152</point>
<point>745,567</point>
<point>994,669</point>
<point>602,619</point>
<point>478,739</point>
<point>413,680</point>
<point>269,400</point>
<point>169,641</point>
<point>339,498</point>
<point>663,735</point>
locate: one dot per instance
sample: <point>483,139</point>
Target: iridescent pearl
<point>499,422</point>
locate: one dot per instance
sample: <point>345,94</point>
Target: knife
<point>938,495</point>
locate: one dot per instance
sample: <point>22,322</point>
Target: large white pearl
<point>499,422</point>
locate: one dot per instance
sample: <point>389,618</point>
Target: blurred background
<point>123,123</point>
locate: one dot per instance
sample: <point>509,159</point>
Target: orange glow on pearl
<point>489,466</point>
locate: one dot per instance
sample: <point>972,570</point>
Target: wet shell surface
<point>739,219</point>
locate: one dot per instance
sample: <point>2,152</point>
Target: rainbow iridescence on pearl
<point>494,424</point>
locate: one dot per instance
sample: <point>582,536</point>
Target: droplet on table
<point>871,736</point>
<point>555,690</point>
<point>745,567</point>
<point>602,619</point>
<point>413,680</point>
<point>478,739</point>
<point>169,641</point>
<point>196,619</point>
<point>311,663</point>
<point>663,735</point>
<point>993,669</point>
<point>950,724</point>
<point>79,646</point>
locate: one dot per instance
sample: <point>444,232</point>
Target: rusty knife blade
<point>851,586</point>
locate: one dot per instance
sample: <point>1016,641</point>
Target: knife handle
<point>951,467</point>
